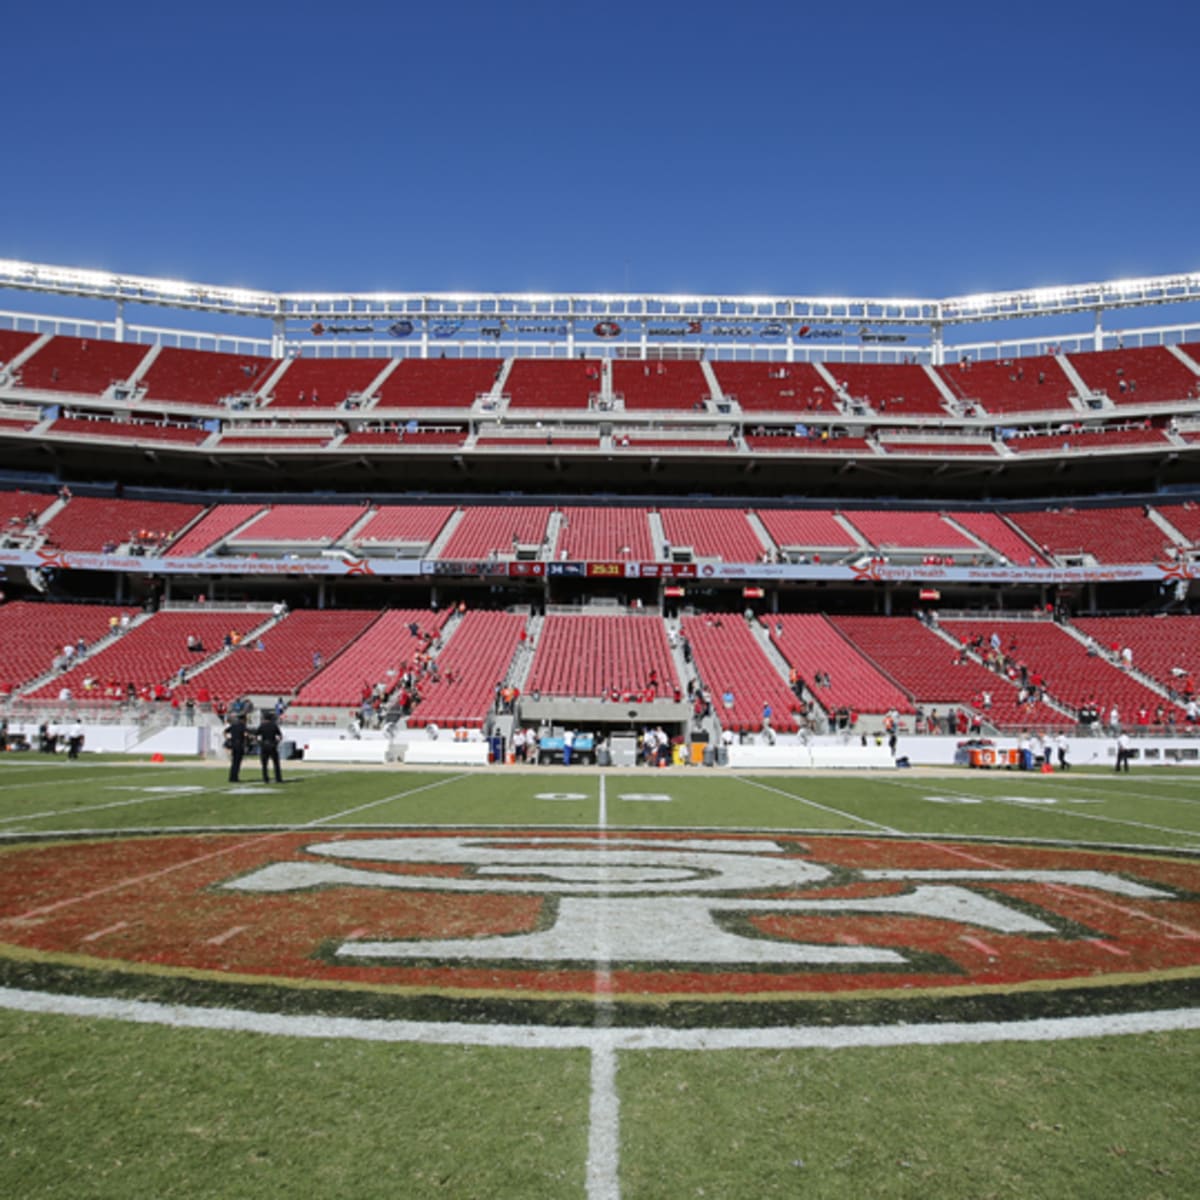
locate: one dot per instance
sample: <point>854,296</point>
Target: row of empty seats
<point>1107,534</point>
<point>596,656</point>
<point>175,375</point>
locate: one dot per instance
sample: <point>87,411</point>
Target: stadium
<point>658,674</point>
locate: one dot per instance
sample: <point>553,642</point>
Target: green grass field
<point>97,1104</point>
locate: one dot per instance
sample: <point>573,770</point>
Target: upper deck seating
<point>723,533</point>
<point>605,535</point>
<point>212,529</point>
<point>934,674</point>
<point>416,525</point>
<point>907,529</point>
<point>264,441</point>
<point>81,366</point>
<point>596,656</point>
<point>178,376</point>
<point>138,431</point>
<point>808,530</point>
<point>12,342</point>
<point>293,650</point>
<point>406,438</point>
<point>325,382</point>
<point>1167,648</point>
<point>475,658</point>
<point>811,644</point>
<point>425,383</point>
<point>547,440</point>
<point>650,386</point>
<point>1012,385</point>
<point>732,665</point>
<point>152,652</point>
<point>319,524</point>
<point>32,636</point>
<point>489,531</point>
<point>379,656</point>
<point>552,383</point>
<point>1112,534</point>
<point>897,389</point>
<point>1069,673</point>
<point>1143,375</point>
<point>993,530</point>
<point>90,524</point>
<point>775,387</point>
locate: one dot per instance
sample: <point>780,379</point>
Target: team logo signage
<point>667,928</point>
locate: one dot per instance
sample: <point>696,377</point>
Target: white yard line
<point>837,812</point>
<point>604,1124</point>
<point>547,1037</point>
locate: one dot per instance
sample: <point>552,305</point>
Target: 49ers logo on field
<point>580,918</point>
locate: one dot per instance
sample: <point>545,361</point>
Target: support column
<point>1098,331</point>
<point>119,331</point>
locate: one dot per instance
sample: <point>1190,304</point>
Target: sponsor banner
<point>923,574</point>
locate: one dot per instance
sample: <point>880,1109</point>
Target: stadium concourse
<point>692,529</point>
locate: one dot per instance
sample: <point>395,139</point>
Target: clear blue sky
<point>867,149</point>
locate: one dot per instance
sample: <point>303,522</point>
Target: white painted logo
<point>641,900</point>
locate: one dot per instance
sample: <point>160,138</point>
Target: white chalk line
<point>611,1040</point>
<point>837,812</point>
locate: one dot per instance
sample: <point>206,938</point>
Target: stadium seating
<point>808,530</point>
<point>1167,648</point>
<point>1070,674</point>
<point>605,535</point>
<point>1143,375</point>
<point>12,342</point>
<point>418,384</point>
<point>653,386</point>
<point>905,529</point>
<point>1074,441</point>
<point>81,366</point>
<point>552,383</point>
<point>897,389</point>
<point>810,644</point>
<point>775,387</point>
<point>324,382</point>
<point>293,650</point>
<point>393,525</point>
<point>15,507</point>
<point>473,660</point>
<point>33,634</point>
<point>936,676</point>
<point>152,653</point>
<point>1012,385</point>
<point>138,431</point>
<point>995,531</point>
<point>212,528</point>
<point>90,523</point>
<point>731,664</point>
<point>1112,534</point>
<point>1185,518</point>
<point>815,443</point>
<point>595,656</point>
<point>265,441</point>
<point>179,376</point>
<point>315,524</point>
<point>378,655</point>
<point>723,533</point>
<point>905,445</point>
<point>490,531</point>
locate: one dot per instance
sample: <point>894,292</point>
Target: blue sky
<point>869,149</point>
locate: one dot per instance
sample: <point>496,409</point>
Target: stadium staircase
<point>439,543</point>
<point>1081,392</point>
<point>370,394</point>
<point>139,372</point>
<point>46,677</point>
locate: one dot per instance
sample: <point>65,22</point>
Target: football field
<point>549,983</point>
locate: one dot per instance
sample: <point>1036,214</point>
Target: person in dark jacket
<point>235,743</point>
<point>269,737</point>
